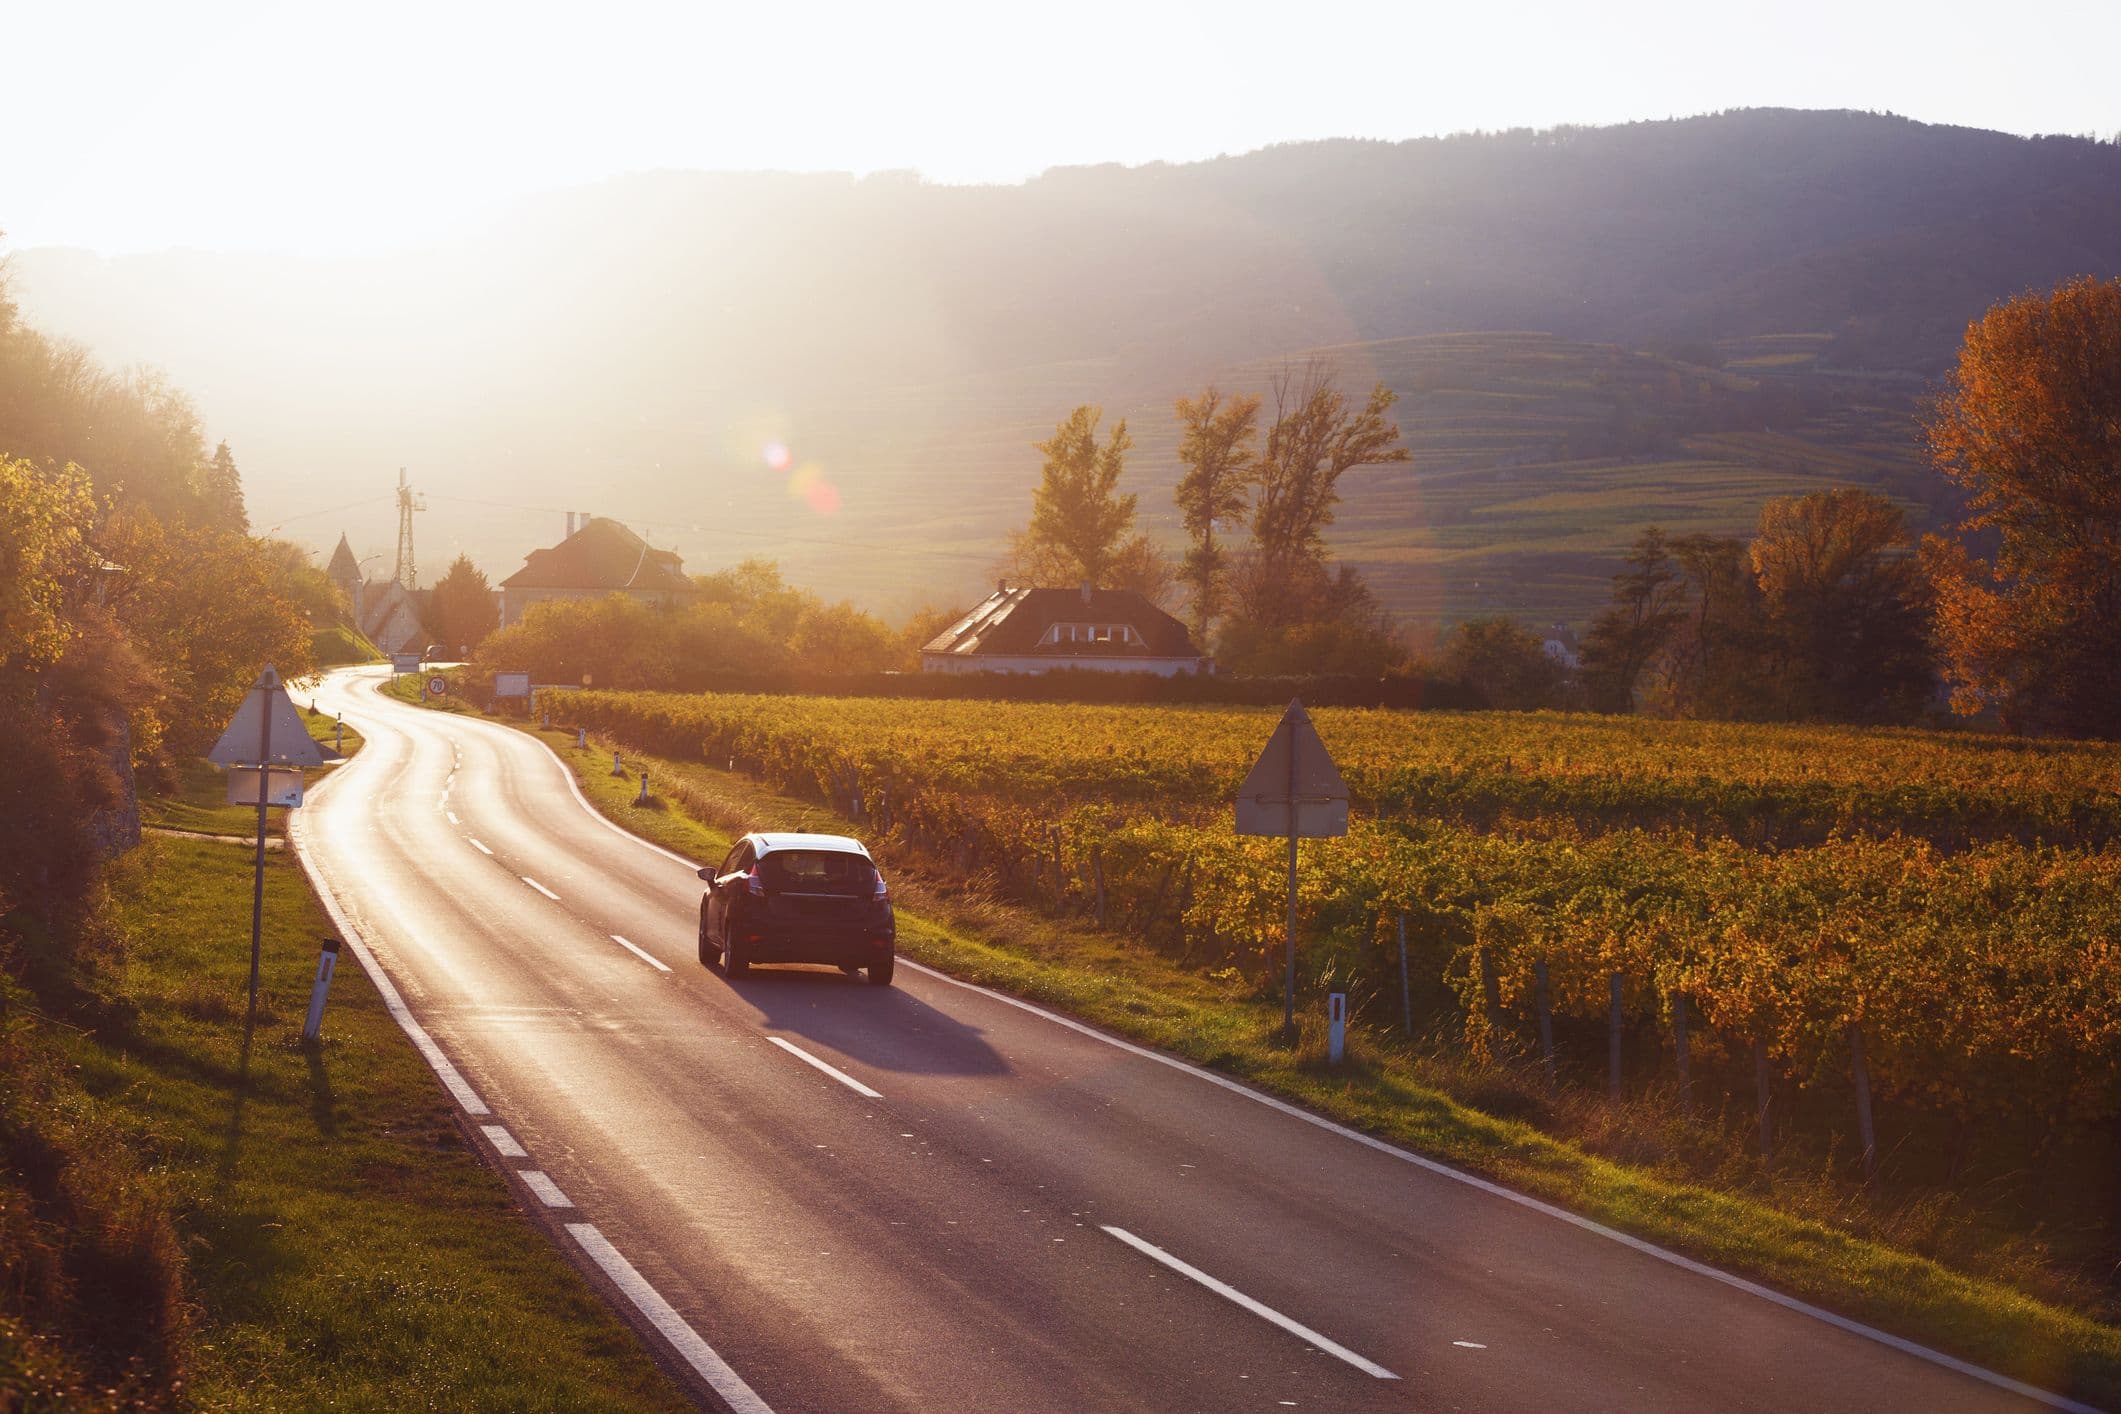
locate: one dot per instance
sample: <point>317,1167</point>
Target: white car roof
<point>839,844</point>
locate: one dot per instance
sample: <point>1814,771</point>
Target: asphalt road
<point>1021,1215</point>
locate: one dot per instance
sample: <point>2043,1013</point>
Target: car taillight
<point>753,884</point>
<point>881,893</point>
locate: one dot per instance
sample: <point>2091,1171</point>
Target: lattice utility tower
<point>408,502</point>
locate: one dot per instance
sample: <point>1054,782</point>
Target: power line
<point>328,510</point>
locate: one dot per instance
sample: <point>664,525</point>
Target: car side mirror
<point>708,875</point>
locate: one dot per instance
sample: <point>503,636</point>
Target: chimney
<point>1086,591</point>
<point>1001,586</point>
<point>570,526</point>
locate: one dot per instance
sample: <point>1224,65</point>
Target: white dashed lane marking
<point>656,963</point>
<point>1260,1309</point>
<point>837,1074</point>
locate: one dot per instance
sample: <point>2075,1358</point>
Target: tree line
<point>135,608</point>
<point>1260,581</point>
<point>1830,610</point>
<point>1833,610</point>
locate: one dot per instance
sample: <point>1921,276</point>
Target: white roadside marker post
<point>1336,1026</point>
<point>581,738</point>
<point>326,961</point>
<point>642,798</point>
<point>616,768</point>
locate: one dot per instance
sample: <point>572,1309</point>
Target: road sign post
<point>1294,789</point>
<point>269,718</point>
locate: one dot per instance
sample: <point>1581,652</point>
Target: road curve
<point>1017,1214</point>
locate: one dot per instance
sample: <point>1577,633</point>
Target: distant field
<point>1537,460</point>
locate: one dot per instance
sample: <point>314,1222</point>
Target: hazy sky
<point>332,128</point>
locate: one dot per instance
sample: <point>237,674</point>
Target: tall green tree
<point>461,610</point>
<point>220,491</point>
<point>1216,449</point>
<point>1504,662</point>
<point>1649,602</point>
<point>1317,437</point>
<point>1844,607</point>
<point>1711,665</point>
<point>1077,511</point>
<point>2029,425</point>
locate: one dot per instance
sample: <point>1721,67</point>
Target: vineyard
<point>1932,919</point>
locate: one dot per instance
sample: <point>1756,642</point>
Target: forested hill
<point>629,346</point>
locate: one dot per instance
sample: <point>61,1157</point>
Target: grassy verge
<point>232,1220</point>
<point>1852,1262</point>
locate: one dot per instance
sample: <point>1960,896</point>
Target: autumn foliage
<point>2029,611</point>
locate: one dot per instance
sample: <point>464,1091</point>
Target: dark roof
<point>1013,621</point>
<point>343,565</point>
<point>601,555</point>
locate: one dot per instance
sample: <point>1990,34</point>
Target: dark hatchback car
<point>798,898</point>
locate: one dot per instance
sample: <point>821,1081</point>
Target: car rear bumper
<point>839,948</point>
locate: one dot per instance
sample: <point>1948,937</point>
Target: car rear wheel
<point>734,963</point>
<point>880,970</point>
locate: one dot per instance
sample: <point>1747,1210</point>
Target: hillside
<point>630,348</point>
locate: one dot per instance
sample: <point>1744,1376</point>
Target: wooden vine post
<point>1613,1041</point>
<point>1679,1051</point>
<point>1543,999</point>
<point>1491,995</point>
<point>1761,1092</point>
<point>1862,1072</point>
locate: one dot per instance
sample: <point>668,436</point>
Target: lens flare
<point>778,457</point>
<point>823,496</point>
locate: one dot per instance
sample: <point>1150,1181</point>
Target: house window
<point>1091,633</point>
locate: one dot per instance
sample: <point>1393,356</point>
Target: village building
<point>1037,630</point>
<point>384,610</point>
<point>599,557</point>
<point>1560,644</point>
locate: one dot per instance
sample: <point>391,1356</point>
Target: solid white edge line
<point>1523,1200</point>
<point>548,1192</point>
<point>657,963</point>
<point>453,818</point>
<point>1442,1170</point>
<point>503,1142</point>
<point>465,1096</point>
<point>1258,1308</point>
<point>539,887</point>
<point>840,1075</point>
<point>697,1353</point>
<point>478,846</point>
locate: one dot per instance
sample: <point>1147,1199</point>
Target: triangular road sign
<point>291,743</point>
<point>1294,788</point>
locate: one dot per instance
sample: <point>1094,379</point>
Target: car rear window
<point>817,871</point>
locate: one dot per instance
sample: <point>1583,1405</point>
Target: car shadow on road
<point>885,1027</point>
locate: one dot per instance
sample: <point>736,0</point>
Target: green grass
<point>198,798</point>
<point>1456,1110</point>
<point>329,647</point>
<point>343,1244</point>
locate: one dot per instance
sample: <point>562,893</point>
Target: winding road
<point>809,1194</point>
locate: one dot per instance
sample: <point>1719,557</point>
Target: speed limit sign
<point>437,685</point>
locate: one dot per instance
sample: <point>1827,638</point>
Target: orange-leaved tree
<point>2029,424</point>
